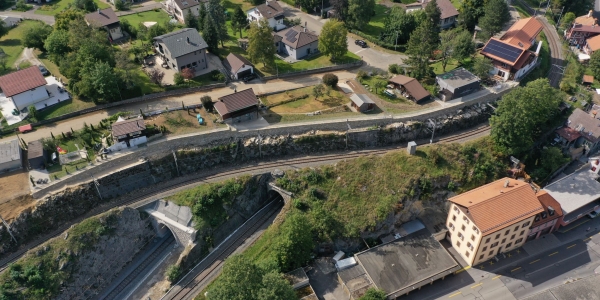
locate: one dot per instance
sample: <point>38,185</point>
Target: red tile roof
<point>548,201</point>
<point>523,32</point>
<point>236,101</point>
<point>594,42</point>
<point>493,206</point>
<point>21,81</point>
<point>588,79</point>
<point>128,126</point>
<point>568,133</point>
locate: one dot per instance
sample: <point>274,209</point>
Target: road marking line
<point>587,239</point>
<point>455,294</point>
<point>534,261</point>
<point>571,246</point>
<point>463,269</point>
<point>558,262</point>
<point>515,269</point>
<point>476,285</point>
<point>359,51</point>
<point>553,253</point>
<point>497,277</point>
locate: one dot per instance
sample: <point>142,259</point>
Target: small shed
<point>457,83</point>
<point>35,154</point>
<point>362,102</point>
<point>238,66</point>
<point>237,107</point>
<point>588,80</point>
<point>410,88</point>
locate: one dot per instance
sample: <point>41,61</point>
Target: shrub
<point>330,80</point>
<point>122,4</point>
<point>22,6</point>
<point>207,102</point>
<point>178,78</point>
<point>361,74</point>
<point>173,273</point>
<point>394,69</point>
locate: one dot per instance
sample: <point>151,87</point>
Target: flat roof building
<point>10,156</point>
<point>577,194</point>
<point>457,83</point>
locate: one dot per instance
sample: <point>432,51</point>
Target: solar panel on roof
<point>293,39</point>
<point>290,33</point>
<point>503,51</point>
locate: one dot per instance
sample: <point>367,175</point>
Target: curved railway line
<point>141,199</point>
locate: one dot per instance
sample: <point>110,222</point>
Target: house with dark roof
<point>581,131</point>
<point>582,28</point>
<point>491,219</point>
<point>449,13</point>
<point>181,49</point>
<point>296,42</point>
<point>271,11</point>
<point>24,87</point>
<point>180,9</point>
<point>362,102</point>
<point>237,107</point>
<point>35,154</point>
<point>106,19</point>
<point>238,66</point>
<point>410,88</point>
<point>512,54</point>
<point>129,132</point>
<point>457,83</point>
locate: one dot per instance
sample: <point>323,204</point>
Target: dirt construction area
<point>15,196</point>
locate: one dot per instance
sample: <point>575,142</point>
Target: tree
<point>394,69</point>
<point>482,67</point>
<point>434,14</point>
<point>216,12</point>
<point>522,115</point>
<point>495,15</point>
<point>330,80</point>
<point>379,85</point>
<point>360,13</point>
<point>86,5</point>
<point>99,83</point>
<point>420,47</point>
<point>201,17</point>
<point>178,78</point>
<point>239,280</point>
<point>398,26</point>
<point>318,91</point>
<point>295,244</point>
<point>190,20</point>
<point>470,12</point>
<point>373,294</point>
<point>122,5</point>
<point>22,6</point>
<point>455,43</point>
<point>57,43</point>
<point>239,20</point>
<point>260,43</point>
<point>125,68</point>
<point>568,19</point>
<point>173,273</point>
<point>333,40</point>
<point>308,5</point>
<point>62,20</point>
<point>207,102</point>
<point>156,76</point>
<point>594,64</point>
<point>341,9</point>
<point>551,159</point>
<point>35,36</point>
<point>275,287</point>
<point>3,28</point>
<point>32,111</point>
<point>210,34</point>
<point>187,73</point>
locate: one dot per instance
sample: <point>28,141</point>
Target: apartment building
<point>492,219</point>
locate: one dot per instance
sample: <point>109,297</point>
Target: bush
<point>361,74</point>
<point>215,75</point>
<point>330,80</point>
<point>178,78</point>
<point>207,102</point>
<point>22,6</point>
<point>122,5</point>
<point>173,273</point>
<point>394,69</point>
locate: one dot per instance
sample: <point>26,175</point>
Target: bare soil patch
<point>182,122</point>
<point>13,184</point>
<point>12,208</point>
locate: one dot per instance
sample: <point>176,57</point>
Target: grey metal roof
<point>182,42</point>
<point>456,78</point>
<point>10,151</point>
<point>360,99</point>
<point>575,191</point>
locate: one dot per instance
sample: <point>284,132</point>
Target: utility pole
<point>8,229</point>
<point>96,184</point>
<point>176,165</point>
<point>259,145</point>
<point>349,128</point>
<point>560,17</point>
<point>433,131</point>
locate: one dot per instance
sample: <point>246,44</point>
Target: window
<point>466,219</point>
<point>469,245</point>
<point>494,245</point>
<point>522,232</point>
<point>503,240</point>
<point>461,237</point>
<point>526,224</point>
<point>463,227</point>
<point>537,218</point>
<point>516,228</point>
<point>472,237</point>
<point>497,236</point>
<point>484,248</point>
<point>451,226</point>
<point>513,237</point>
<point>453,218</point>
<point>467,253</point>
<point>507,232</point>
<point>475,229</point>
<point>457,244</point>
<point>456,210</point>
<point>508,245</point>
<point>550,210</point>
<point>491,253</point>
<point>481,256</point>
<point>487,240</point>
<point>544,215</point>
<point>518,241</point>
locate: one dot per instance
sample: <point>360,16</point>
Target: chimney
<point>590,13</point>
<point>305,25</point>
<point>188,39</point>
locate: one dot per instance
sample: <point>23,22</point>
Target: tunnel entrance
<point>169,218</point>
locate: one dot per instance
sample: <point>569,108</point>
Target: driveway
<point>28,55</point>
<point>375,58</point>
<point>31,15</point>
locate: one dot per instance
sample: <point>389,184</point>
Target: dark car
<point>361,43</point>
<point>248,78</point>
<point>44,71</point>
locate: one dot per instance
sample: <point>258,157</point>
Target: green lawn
<point>147,16</point>
<point>62,108</point>
<point>370,81</point>
<point>375,26</point>
<point>456,3</point>
<point>437,66</point>
<point>57,6</point>
<point>521,9</point>
<point>12,44</point>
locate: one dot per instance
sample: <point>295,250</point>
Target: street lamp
<point>433,131</point>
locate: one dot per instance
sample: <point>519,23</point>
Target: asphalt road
<point>521,275</point>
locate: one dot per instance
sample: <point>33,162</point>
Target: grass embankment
<point>305,102</point>
<point>38,274</point>
<point>57,6</point>
<point>353,196</point>
<point>12,43</point>
<point>135,19</point>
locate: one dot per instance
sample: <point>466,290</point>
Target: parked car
<point>594,213</point>
<point>361,43</point>
<point>44,71</point>
<point>248,78</point>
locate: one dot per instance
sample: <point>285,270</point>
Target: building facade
<point>180,9</point>
<point>296,42</point>
<point>271,11</point>
<point>182,49</point>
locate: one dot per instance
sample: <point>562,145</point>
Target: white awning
<point>583,56</point>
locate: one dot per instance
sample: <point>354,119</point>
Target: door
<point>244,73</point>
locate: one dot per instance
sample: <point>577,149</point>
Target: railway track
<point>204,272</point>
<point>144,198</point>
<point>147,261</point>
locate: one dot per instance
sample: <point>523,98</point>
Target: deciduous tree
<point>275,287</point>
<point>207,102</point>
<point>522,115</point>
<point>156,76</point>
<point>594,64</point>
<point>333,40</point>
<point>482,67</point>
<point>495,15</point>
<point>455,43</point>
<point>178,78</point>
<point>239,20</point>
<point>86,5</point>
<point>373,294</point>
<point>62,20</point>
<point>398,26</point>
<point>35,36</point>
<point>295,245</point>
<point>187,73</point>
<point>341,9</point>
<point>470,12</point>
<point>360,13</point>
<point>3,28</point>
<point>260,43</point>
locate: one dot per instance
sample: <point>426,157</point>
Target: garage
<point>244,73</point>
<point>238,66</point>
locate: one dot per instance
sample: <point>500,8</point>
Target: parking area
<point>323,279</point>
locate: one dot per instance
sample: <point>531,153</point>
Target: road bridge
<point>167,215</point>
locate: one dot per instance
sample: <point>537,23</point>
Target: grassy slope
<point>57,6</point>
<point>12,44</point>
<point>147,16</point>
<point>542,70</point>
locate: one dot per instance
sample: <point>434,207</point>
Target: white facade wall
<point>115,33</point>
<point>464,235</point>
<point>23,100</point>
<point>242,69</point>
<point>255,16</point>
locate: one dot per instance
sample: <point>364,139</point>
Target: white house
<point>181,8</point>
<point>270,10</point>
<point>296,42</point>
<point>24,87</point>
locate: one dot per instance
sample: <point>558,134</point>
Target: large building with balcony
<point>492,219</point>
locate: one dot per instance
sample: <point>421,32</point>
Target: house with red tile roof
<point>546,221</point>
<point>517,51</point>
<point>583,28</point>
<point>24,87</point>
<point>492,219</point>
<point>449,14</point>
